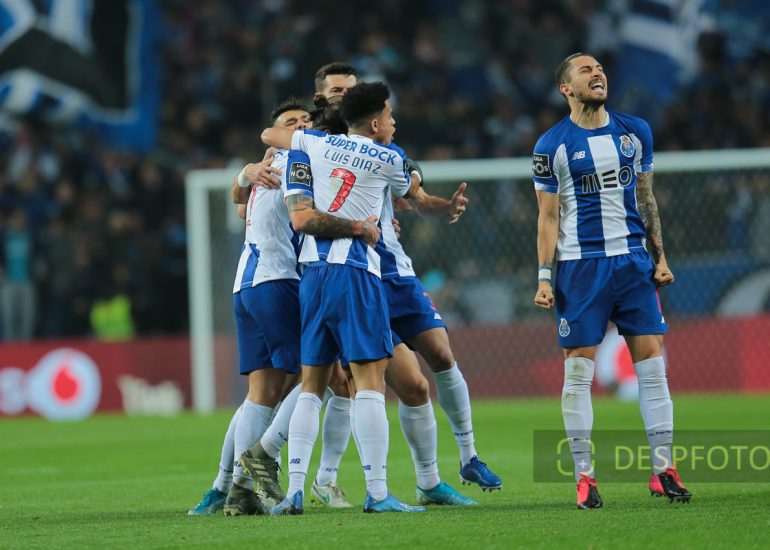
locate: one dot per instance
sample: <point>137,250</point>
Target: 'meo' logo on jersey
<point>593,183</point>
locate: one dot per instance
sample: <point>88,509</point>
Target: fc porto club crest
<point>627,146</point>
<point>563,328</point>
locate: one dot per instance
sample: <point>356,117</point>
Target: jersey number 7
<point>345,179</point>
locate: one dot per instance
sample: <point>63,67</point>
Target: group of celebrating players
<point>325,290</point>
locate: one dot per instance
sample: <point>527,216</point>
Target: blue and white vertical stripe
<point>594,174</point>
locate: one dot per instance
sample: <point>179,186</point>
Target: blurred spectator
<point>18,296</point>
<point>470,79</point>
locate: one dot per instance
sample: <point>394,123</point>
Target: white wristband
<point>242,181</point>
<point>544,274</point>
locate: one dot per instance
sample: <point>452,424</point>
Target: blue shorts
<point>268,326</point>
<point>594,291</point>
<point>411,310</point>
<point>344,312</point>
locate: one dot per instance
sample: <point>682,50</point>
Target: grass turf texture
<point>117,482</point>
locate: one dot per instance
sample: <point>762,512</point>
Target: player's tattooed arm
<point>648,210</point>
<point>306,218</point>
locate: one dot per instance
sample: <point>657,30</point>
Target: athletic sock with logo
<point>657,411</point>
<point>453,396</point>
<point>419,427</point>
<point>303,431</point>
<point>577,411</point>
<point>335,436</point>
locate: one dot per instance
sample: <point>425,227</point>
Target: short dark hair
<point>562,71</point>
<point>363,101</point>
<point>327,118</point>
<point>288,104</point>
<point>336,67</point>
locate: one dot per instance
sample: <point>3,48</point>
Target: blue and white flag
<point>657,41</point>
<point>86,63</point>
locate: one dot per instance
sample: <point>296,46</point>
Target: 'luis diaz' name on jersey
<point>378,156</point>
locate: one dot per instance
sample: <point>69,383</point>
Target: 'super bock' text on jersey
<point>348,180</point>
<point>594,173</point>
<point>271,247</point>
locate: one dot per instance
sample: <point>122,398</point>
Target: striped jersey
<point>348,179</point>
<point>393,260</point>
<point>594,173</point>
<point>271,246</point>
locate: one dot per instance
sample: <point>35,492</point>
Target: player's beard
<point>592,103</point>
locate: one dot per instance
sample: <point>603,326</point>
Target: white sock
<point>224,479</point>
<point>277,434</point>
<point>303,431</point>
<point>353,428</point>
<point>453,396</point>
<point>335,436</point>
<point>657,411</point>
<point>578,413</point>
<point>372,430</point>
<point>252,423</point>
<point>419,427</point>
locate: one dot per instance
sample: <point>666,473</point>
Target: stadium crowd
<point>93,240</point>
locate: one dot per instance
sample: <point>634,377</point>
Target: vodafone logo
<point>64,385</point>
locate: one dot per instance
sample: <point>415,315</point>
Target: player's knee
<point>419,393</point>
<point>412,390</point>
<point>578,375</point>
<point>440,358</point>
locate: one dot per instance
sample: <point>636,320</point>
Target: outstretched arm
<point>547,237</point>
<point>305,218</point>
<point>648,210</point>
<point>431,205</point>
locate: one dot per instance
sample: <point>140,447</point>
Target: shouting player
<point>593,178</point>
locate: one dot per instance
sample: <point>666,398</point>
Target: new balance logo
<point>579,155</point>
<point>367,467</point>
<point>295,461</point>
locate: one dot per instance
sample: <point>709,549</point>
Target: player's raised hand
<point>368,231</point>
<point>663,275</point>
<point>263,174</point>
<point>544,295</point>
<point>458,203</point>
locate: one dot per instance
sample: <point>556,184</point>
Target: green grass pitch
<point>117,482</point>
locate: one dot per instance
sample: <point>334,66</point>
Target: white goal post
<point>201,183</point>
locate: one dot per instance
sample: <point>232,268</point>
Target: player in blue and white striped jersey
<point>403,375</point>
<point>266,306</point>
<point>415,320</point>
<point>344,309</point>
<point>593,178</point>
